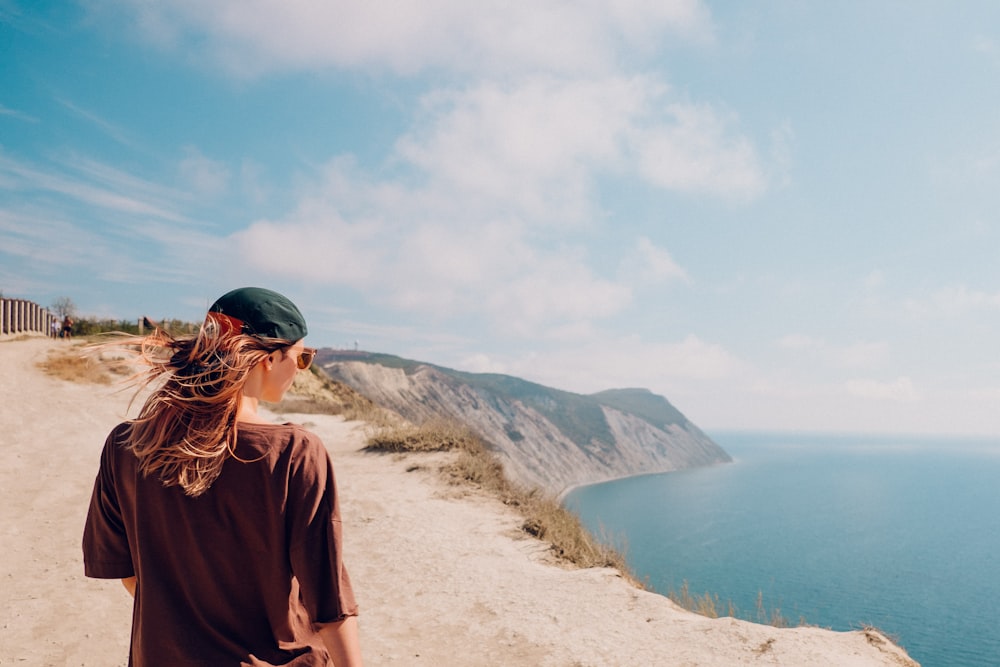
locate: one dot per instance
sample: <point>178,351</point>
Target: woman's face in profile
<point>284,366</point>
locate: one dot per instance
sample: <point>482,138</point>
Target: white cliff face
<point>533,450</point>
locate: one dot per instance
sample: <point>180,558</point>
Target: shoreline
<point>561,496</point>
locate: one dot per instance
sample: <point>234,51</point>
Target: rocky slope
<point>545,437</point>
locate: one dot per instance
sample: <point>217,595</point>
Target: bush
<point>433,436</point>
<point>79,365</point>
<point>91,326</point>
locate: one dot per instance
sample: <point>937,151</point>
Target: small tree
<point>63,307</point>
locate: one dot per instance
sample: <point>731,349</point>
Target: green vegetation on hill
<point>653,408</point>
<point>578,417</point>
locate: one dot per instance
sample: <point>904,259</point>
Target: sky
<point>780,215</point>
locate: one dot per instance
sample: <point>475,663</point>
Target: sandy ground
<point>443,575</point>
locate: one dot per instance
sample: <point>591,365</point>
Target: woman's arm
<point>129,584</point>
<point>341,640</point>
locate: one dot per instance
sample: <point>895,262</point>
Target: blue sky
<point>780,215</point>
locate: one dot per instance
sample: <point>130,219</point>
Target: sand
<point>443,574</point>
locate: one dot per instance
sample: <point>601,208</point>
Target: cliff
<point>544,437</point>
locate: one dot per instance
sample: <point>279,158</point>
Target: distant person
<point>225,527</point>
<point>54,328</point>
<point>67,327</point>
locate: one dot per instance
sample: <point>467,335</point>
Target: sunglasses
<point>305,358</point>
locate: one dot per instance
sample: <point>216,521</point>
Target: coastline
<point>444,574</point>
<point>561,496</point>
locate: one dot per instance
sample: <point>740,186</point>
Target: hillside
<point>545,437</point>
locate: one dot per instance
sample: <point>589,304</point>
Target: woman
<point>225,527</point>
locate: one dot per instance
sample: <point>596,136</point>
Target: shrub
<point>433,436</point>
<point>78,365</point>
<point>316,393</point>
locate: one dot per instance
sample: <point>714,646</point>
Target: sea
<point>842,532</point>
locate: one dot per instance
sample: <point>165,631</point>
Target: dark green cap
<point>256,311</point>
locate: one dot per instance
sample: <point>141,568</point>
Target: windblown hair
<point>187,427</point>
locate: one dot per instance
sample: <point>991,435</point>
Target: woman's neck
<point>248,411</point>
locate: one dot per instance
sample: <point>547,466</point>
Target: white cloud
<point>537,145</point>
<point>254,36</point>
<point>860,354</point>
<point>253,184</point>
<point>784,388</point>
<point>693,358</point>
<point>28,234</point>
<point>800,342</point>
<point>782,154</point>
<point>204,175</point>
<point>80,214</point>
<point>19,115</point>
<point>559,288</point>
<point>863,354</point>
<point>482,363</point>
<point>532,147</point>
<point>874,280</point>
<point>490,270</point>
<point>988,48</point>
<point>900,389</point>
<point>952,301</point>
<point>110,129</point>
<point>697,151</point>
<point>605,361</point>
<point>93,185</point>
<point>648,263</point>
<point>324,248</point>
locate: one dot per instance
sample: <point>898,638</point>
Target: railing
<point>21,317</point>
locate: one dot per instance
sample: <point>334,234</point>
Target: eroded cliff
<point>544,437</point>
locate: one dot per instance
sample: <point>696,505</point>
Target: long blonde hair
<point>187,427</point>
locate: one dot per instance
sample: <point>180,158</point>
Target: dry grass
<point>706,605</point>
<point>711,606</point>
<point>77,364</point>
<point>435,436</point>
<point>16,338</point>
<point>315,393</point>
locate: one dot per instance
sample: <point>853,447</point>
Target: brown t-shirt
<point>240,575</point>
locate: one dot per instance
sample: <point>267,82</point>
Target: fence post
<point>23,316</point>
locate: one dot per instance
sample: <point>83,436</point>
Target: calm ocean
<point>841,532</point>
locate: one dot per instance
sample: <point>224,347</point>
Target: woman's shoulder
<point>288,435</point>
<point>118,436</point>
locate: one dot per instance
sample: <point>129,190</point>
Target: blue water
<point>837,531</point>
